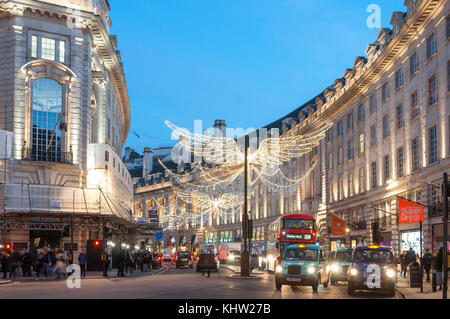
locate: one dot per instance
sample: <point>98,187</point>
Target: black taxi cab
<point>373,269</point>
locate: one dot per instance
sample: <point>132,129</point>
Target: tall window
<point>374,175</point>
<point>351,185</point>
<point>413,64</point>
<point>362,180</point>
<point>330,161</point>
<point>373,135</point>
<point>350,150</point>
<point>432,96</point>
<point>398,79</point>
<point>46,120</point>
<point>340,188</point>
<point>385,92</point>
<point>386,168</point>
<point>361,143</point>
<point>330,192</point>
<point>373,103</point>
<point>330,135</point>
<point>340,156</point>
<point>431,46</point>
<point>400,172</point>
<point>433,145</point>
<point>400,116</point>
<point>361,110</point>
<point>350,120</point>
<point>340,128</point>
<point>386,132</point>
<point>415,109</point>
<point>448,27</point>
<point>415,154</point>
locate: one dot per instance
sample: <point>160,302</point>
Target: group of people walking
<point>128,262</point>
<point>427,263</point>
<point>45,262</point>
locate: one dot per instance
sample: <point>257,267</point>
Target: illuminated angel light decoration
<point>225,161</point>
<point>214,185</point>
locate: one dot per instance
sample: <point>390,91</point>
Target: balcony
<point>33,155</point>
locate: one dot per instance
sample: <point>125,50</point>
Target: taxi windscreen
<point>298,224</point>
<point>297,254</point>
<point>344,256</point>
<point>373,256</point>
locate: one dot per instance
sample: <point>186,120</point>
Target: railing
<point>33,155</point>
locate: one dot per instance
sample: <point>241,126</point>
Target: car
<point>157,261</point>
<point>184,259</point>
<point>372,268</point>
<point>167,254</point>
<point>234,257</point>
<point>207,261</point>
<point>339,262</point>
<point>302,265</point>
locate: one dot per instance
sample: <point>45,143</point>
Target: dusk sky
<point>249,62</point>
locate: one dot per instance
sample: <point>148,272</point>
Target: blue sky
<point>249,62</point>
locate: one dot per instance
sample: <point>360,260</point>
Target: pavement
<point>414,293</point>
<point>237,269</point>
<point>89,275</point>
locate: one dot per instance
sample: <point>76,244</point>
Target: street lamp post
<point>445,238</point>
<point>245,269</point>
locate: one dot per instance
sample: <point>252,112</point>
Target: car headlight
<point>353,272</point>
<point>335,268</point>
<point>390,273</point>
<point>311,270</point>
<point>231,257</point>
<point>279,268</point>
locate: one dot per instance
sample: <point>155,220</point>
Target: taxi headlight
<point>279,268</point>
<point>231,257</point>
<point>334,268</point>
<point>311,270</point>
<point>390,273</point>
<point>353,272</point>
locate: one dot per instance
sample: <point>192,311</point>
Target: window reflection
<point>46,119</point>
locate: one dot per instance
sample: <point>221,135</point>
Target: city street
<point>175,284</point>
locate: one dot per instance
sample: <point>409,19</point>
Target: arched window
<point>47,116</point>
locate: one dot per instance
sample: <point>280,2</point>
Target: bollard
<point>433,279</point>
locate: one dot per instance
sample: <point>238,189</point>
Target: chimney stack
<point>147,162</point>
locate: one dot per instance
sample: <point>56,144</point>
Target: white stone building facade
<point>64,102</point>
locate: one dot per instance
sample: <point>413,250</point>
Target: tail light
<point>159,258</point>
<point>198,258</point>
<point>215,258</point>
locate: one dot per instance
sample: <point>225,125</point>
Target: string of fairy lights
<point>214,185</point>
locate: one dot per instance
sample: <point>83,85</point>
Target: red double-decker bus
<point>289,230</point>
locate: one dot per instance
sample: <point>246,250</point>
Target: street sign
<point>410,212</point>
<point>159,235</point>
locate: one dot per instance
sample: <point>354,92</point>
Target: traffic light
<point>8,246</point>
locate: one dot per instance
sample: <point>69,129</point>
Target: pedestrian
<point>45,269</point>
<point>426,263</point>
<point>438,267</point>
<point>61,264</point>
<point>14,264</point>
<point>82,260</point>
<point>27,262</point>
<point>403,264</point>
<point>105,261</point>
<point>149,261</point>
<point>4,259</point>
<point>40,256</point>
<point>121,260</point>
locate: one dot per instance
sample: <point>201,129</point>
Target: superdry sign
<point>409,213</point>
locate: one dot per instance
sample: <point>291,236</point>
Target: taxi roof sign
<point>302,246</point>
<point>373,247</point>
